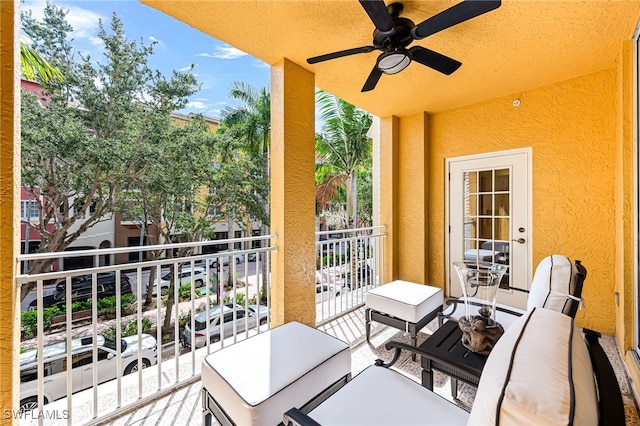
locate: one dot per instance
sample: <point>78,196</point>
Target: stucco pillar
<point>293,193</point>
<point>411,200</point>
<point>386,152</point>
<point>9,208</point>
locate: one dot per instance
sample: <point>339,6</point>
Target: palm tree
<point>251,120</point>
<point>342,149</point>
<point>251,123</point>
<point>34,67</point>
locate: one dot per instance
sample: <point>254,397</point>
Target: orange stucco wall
<point>571,128</point>
<point>9,206</point>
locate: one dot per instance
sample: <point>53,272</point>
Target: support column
<point>9,208</point>
<point>293,193</point>
<point>403,201</point>
<point>386,152</point>
<point>412,223</point>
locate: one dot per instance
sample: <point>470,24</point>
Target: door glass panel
<point>471,205</point>
<point>471,182</point>
<point>486,205</point>
<point>485,230</point>
<point>502,229</point>
<point>501,180</point>
<point>487,217</point>
<point>486,181</point>
<point>502,204</point>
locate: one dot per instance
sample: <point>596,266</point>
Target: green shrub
<point>129,328</point>
<point>110,301</point>
<point>239,299</point>
<point>184,292</point>
<point>107,305</point>
<point>30,320</point>
<point>336,259</point>
<point>81,306</point>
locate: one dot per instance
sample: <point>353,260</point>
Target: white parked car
<point>82,364</point>
<point>234,316</point>
<point>199,277</point>
<point>326,292</point>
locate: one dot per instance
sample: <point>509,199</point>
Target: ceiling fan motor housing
<point>400,38</point>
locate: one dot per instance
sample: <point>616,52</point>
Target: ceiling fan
<point>392,35</point>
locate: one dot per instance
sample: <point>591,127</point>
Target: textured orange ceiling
<point>521,45</point>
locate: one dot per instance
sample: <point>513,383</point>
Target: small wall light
<point>516,102</point>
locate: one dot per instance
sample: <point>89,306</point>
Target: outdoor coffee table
<point>443,351</point>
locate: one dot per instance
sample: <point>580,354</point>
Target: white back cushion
<point>539,372</point>
<point>553,281</point>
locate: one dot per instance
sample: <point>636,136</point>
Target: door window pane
<point>501,180</point>
<point>486,181</point>
<point>487,209</point>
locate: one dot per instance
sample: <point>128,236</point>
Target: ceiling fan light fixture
<point>394,61</point>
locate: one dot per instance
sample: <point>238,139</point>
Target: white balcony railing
<point>110,329</point>
<point>106,339</point>
<point>349,264</point>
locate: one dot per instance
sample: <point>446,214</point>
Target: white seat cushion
<point>539,372</point>
<point>405,402</point>
<point>553,283</point>
<point>405,300</point>
<point>255,381</point>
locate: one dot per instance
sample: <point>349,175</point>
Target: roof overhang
<point>519,46</point>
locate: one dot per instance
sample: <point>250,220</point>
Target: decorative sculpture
<point>480,281</point>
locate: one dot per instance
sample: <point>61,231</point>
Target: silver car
<point>235,316</point>
<point>198,276</point>
<point>82,364</point>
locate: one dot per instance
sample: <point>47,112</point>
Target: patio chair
<point>557,285</point>
<point>526,380</point>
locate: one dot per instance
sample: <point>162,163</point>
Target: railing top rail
<point>24,278</point>
<point>340,231</point>
<point>92,252</point>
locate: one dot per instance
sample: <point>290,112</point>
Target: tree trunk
<point>265,227</point>
<point>353,252</point>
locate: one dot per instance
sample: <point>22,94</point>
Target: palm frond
<point>34,67</point>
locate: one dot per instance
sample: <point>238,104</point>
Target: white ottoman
<point>404,305</point>
<point>255,381</point>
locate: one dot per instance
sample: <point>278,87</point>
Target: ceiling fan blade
<point>379,15</point>
<point>435,60</point>
<point>340,54</point>
<point>454,15</point>
<point>372,80</point>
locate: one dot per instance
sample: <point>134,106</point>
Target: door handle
<point>520,240</point>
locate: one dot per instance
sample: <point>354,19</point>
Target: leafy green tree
<point>343,149</point>
<point>94,133</point>
<point>237,187</point>
<point>167,195</point>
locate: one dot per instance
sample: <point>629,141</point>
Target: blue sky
<point>217,65</point>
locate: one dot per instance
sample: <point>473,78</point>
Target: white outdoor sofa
<point>543,370</point>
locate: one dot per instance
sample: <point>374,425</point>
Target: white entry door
<point>489,218</point>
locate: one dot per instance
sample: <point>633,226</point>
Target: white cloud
<point>187,68</point>
<point>224,52</point>
<point>260,65</point>
<point>83,21</point>
<point>197,105</point>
